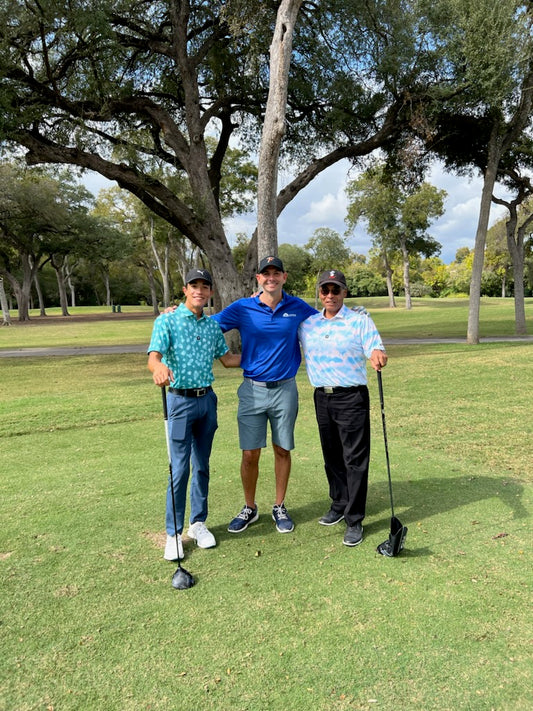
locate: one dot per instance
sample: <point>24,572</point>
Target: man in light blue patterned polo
<point>183,346</point>
<point>337,342</point>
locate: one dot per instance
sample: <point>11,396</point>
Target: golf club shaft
<point>382,403</point>
<point>165,415</point>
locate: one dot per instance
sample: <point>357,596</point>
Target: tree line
<point>154,96</point>
<point>62,246</point>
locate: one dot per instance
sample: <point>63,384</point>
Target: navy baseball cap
<point>194,274</point>
<point>270,262</point>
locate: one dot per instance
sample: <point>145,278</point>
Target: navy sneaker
<point>243,519</point>
<point>284,523</point>
<point>353,535</point>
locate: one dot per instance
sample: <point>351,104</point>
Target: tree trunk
<point>406,280</point>
<point>162,265</point>
<point>70,284</point>
<point>388,278</point>
<point>107,288</point>
<point>519,304</point>
<point>6,316</point>
<point>40,299</point>
<point>274,128</point>
<point>489,180</point>
<point>166,280</point>
<point>516,250</point>
<point>22,290</point>
<point>61,286</point>
<point>153,291</point>
<point>23,301</point>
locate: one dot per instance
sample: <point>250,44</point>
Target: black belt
<point>271,384</point>
<point>192,392</point>
<point>334,390</point>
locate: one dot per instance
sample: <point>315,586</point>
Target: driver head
<point>182,579</point>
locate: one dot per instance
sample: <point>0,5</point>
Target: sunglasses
<point>333,289</point>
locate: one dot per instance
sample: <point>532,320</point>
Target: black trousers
<point>344,426</point>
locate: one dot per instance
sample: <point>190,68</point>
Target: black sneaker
<point>243,519</point>
<point>353,535</point>
<point>331,518</point>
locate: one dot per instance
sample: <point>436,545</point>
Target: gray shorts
<point>259,405</point>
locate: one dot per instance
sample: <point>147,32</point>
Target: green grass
<point>55,330</point>
<point>89,619</point>
<point>429,318</point>
<point>445,318</point>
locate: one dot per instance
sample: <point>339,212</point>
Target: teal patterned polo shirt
<point>188,346</point>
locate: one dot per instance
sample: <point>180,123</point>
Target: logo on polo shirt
<point>286,315</point>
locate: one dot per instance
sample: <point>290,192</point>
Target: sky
<point>323,204</point>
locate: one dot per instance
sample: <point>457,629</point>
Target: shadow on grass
<point>414,501</point>
<point>418,499</point>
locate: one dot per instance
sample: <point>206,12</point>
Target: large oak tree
<point>133,90</point>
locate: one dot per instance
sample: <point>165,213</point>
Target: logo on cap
<point>332,276</point>
<point>270,261</point>
<point>196,273</point>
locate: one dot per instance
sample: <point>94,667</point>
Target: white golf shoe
<point>171,551</point>
<point>199,532</point>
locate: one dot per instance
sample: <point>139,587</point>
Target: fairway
<point>297,621</point>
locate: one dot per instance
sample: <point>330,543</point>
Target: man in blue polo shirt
<point>268,325</point>
<point>183,346</point>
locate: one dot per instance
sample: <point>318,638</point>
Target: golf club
<point>396,540</point>
<point>182,579</point>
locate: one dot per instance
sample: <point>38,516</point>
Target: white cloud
<point>327,209</point>
<point>240,224</point>
<point>457,227</point>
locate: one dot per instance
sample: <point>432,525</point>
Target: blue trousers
<point>192,423</point>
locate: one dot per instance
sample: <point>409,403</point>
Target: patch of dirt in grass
<point>158,539</point>
<point>67,591</point>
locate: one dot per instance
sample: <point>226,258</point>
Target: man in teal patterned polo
<point>183,346</point>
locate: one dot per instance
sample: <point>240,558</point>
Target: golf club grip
<point>380,388</point>
<point>164,396</point>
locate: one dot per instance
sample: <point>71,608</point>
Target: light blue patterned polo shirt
<point>188,346</point>
<point>336,349</point>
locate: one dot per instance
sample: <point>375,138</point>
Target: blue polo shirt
<point>188,346</point>
<point>270,347</point>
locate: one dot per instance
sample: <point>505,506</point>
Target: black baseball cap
<point>270,262</point>
<point>194,274</point>
<point>332,276</point>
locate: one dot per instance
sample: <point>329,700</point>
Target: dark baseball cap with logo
<point>194,274</point>
<point>332,276</point>
<point>270,262</point>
